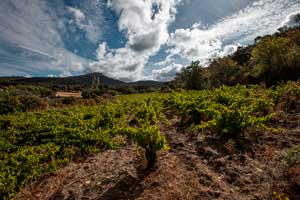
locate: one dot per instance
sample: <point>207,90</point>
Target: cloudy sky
<point>129,39</point>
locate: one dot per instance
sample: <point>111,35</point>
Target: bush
<point>287,96</point>
<point>92,93</point>
<point>150,139</point>
<point>8,103</point>
<point>231,123</point>
<point>69,100</point>
<point>32,103</point>
<point>224,71</point>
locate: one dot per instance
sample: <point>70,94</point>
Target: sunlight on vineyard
<point>36,143</point>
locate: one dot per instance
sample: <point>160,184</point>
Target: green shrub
<point>31,103</point>
<point>150,139</point>
<point>8,103</point>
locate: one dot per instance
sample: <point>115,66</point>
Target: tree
<point>97,89</point>
<point>224,71</point>
<point>193,77</point>
<point>276,59</point>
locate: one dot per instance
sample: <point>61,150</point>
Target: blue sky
<point>129,39</point>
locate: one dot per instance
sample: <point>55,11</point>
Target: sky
<point>130,40</point>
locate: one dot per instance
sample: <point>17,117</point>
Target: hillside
<point>80,82</point>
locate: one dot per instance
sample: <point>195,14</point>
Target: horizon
<point>130,40</point>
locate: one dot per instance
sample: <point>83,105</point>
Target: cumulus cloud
<point>260,18</point>
<point>120,63</point>
<point>165,70</point>
<point>36,39</point>
<point>145,25</point>
<point>292,20</point>
<point>166,73</point>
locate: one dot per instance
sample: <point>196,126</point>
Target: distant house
<point>68,94</point>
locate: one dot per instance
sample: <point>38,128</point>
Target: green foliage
<point>149,138</point>
<point>271,60</point>
<point>276,59</point>
<point>224,71</point>
<point>23,98</point>
<point>34,144</point>
<point>228,111</point>
<point>231,123</point>
<point>192,77</point>
<point>287,96</point>
<point>92,93</point>
<point>8,103</point>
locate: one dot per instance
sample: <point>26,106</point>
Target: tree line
<point>271,60</point>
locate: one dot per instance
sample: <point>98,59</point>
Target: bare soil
<point>195,167</point>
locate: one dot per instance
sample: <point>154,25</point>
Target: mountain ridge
<point>85,80</point>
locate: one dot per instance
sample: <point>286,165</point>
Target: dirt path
<point>193,168</point>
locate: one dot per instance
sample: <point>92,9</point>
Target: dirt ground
<point>195,167</point>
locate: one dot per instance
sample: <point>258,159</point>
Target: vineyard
<point>34,145</point>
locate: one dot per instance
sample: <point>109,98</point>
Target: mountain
<point>72,81</point>
<point>82,80</point>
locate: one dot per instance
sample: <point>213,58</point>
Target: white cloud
<point>145,25</point>
<point>166,73</point>
<point>31,35</point>
<point>31,42</point>
<point>120,63</point>
<point>261,18</point>
<point>65,74</point>
<point>195,44</point>
<point>229,49</point>
<point>292,20</point>
<point>51,75</point>
<point>165,70</point>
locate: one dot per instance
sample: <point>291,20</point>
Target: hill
<point>77,82</point>
<point>83,80</point>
